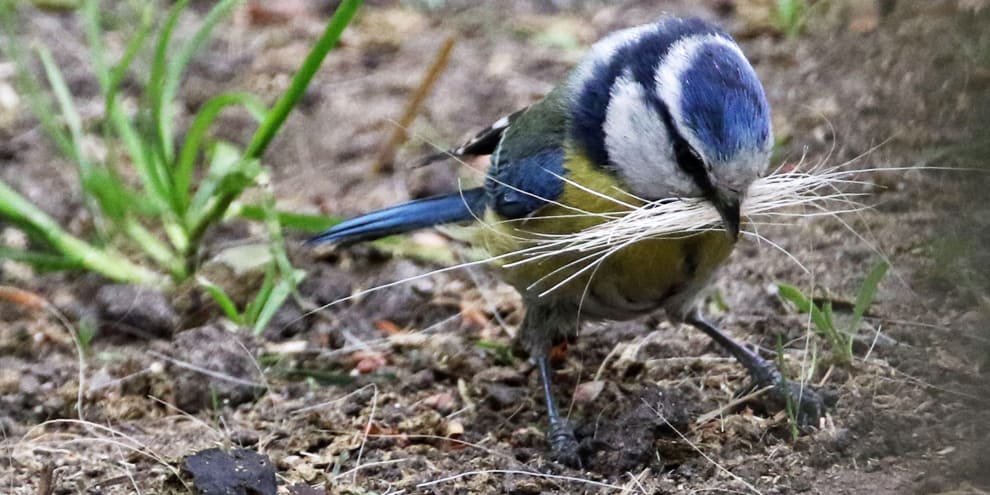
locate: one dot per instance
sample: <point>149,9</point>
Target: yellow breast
<point>636,279</point>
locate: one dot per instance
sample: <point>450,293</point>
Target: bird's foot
<point>805,404</point>
<point>564,445</point>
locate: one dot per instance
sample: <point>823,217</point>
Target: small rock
<point>421,380</point>
<point>244,437</point>
<point>587,392</point>
<point>503,396</point>
<point>455,429</point>
<point>328,284</point>
<point>426,423</point>
<point>304,489</point>
<point>209,362</point>
<point>216,472</point>
<point>500,374</point>
<point>135,311</point>
<point>442,402</point>
<point>368,361</point>
<point>629,439</point>
<point>290,320</point>
<point>29,384</point>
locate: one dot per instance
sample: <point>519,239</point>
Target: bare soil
<point>413,388</point>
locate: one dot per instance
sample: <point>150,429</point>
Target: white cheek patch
<point>639,146</point>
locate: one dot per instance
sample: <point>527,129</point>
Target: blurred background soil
<point>415,384</point>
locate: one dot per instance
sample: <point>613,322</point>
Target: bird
<point>668,110</point>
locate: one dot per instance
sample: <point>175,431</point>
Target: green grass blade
<point>91,25</point>
<point>110,79</point>
<point>279,293</point>
<point>143,158</point>
<point>192,146</point>
<point>41,261</point>
<point>66,106</point>
<point>154,248</point>
<point>312,224</point>
<point>222,299</point>
<point>867,292</point>
<point>276,241</point>
<point>177,66</point>
<point>161,109</point>
<point>19,210</point>
<point>119,71</point>
<point>29,86</point>
<point>831,331</point>
<point>254,307</point>
<point>804,304</point>
<point>266,132</point>
<point>114,197</point>
<point>226,178</point>
<point>174,70</point>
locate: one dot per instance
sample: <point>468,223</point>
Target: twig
<point>386,154</point>
<point>722,468</point>
<point>46,483</point>
<point>710,415</point>
<point>533,474</point>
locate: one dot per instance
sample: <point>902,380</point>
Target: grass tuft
<point>152,197</point>
<point>823,317</point>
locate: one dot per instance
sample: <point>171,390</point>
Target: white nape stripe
<point>603,50</point>
<point>669,77</point>
<point>748,164</point>
<point>639,145</point>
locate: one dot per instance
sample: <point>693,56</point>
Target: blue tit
<point>670,109</point>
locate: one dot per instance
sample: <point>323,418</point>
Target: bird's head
<point>673,109</point>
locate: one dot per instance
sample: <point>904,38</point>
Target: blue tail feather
<point>459,207</point>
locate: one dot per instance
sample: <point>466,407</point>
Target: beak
<point>728,208</point>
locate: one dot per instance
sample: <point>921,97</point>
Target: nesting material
<point>779,198</point>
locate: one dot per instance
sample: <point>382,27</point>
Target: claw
<point>564,445</point>
<point>807,403</point>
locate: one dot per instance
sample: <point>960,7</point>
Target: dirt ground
<point>413,388</point>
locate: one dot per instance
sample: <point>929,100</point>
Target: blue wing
<point>528,164</point>
<point>526,173</point>
<point>521,187</point>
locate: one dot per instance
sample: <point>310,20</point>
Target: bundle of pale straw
<point>778,198</point>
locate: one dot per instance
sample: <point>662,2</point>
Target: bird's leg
<point>808,405</point>
<point>563,443</point>
<point>541,328</point>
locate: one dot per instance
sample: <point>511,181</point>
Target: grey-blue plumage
<point>609,107</point>
<point>665,110</point>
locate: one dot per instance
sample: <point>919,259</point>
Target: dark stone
<point>210,363</point>
<point>628,441</point>
<point>502,396</point>
<point>135,311</point>
<point>238,472</point>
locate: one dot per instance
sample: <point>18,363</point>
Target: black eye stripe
<point>640,55</point>
<point>688,159</point>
